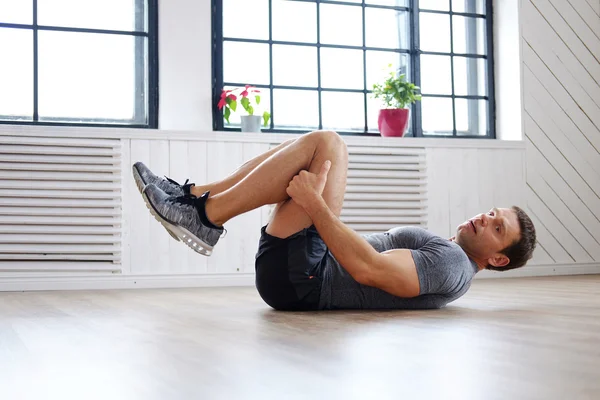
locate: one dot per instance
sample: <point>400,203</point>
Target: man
<point>308,259</point>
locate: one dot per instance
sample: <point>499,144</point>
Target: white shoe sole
<point>191,240</point>
<point>139,182</point>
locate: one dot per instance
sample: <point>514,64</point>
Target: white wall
<point>185,65</point>
<point>461,176</point>
<point>561,112</point>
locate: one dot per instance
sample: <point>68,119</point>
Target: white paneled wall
<point>464,182</point>
<point>561,78</point>
<point>151,249</point>
<point>441,187</point>
<point>436,184</point>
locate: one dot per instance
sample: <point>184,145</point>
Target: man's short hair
<point>520,251</point>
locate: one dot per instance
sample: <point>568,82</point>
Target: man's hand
<point>306,186</point>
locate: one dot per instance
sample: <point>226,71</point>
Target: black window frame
<point>151,100</point>
<point>414,52</point>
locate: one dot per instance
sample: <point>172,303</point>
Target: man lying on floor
<point>308,259</point>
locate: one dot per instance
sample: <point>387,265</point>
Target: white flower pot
<point>251,123</point>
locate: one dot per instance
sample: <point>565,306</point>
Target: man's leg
<point>239,174</point>
<point>267,183</point>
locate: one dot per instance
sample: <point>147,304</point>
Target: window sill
<point>153,134</point>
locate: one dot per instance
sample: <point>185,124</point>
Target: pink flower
<point>221,103</point>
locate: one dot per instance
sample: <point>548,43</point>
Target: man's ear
<point>498,260</point>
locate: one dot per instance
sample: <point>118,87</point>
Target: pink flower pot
<point>393,122</point>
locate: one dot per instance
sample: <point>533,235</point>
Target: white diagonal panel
<point>548,240</point>
<point>556,90</point>
<point>563,214</point>
<point>566,34</point>
<point>566,193</point>
<point>538,27</point>
<point>567,80</point>
<point>559,128</point>
<point>588,190</point>
<point>588,14</point>
<point>556,228</point>
<point>561,83</point>
<point>578,26</point>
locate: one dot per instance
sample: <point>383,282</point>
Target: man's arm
<point>393,271</point>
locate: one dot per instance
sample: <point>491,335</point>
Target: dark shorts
<point>289,271</point>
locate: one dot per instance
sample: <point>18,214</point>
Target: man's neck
<point>481,264</point>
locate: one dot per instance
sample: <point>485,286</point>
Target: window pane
<point>16,11</point>
<point>341,24</point>
<point>436,76</point>
<point>341,68</point>
<point>470,76</point>
<point>442,5</point>
<point>468,35</point>
<point>98,14</point>
<point>246,63</point>
<point>373,107</point>
<point>296,108</point>
<point>436,114</point>
<point>387,28</point>
<point>377,66</point>
<point>295,65</point>
<point>434,32</point>
<point>471,117</point>
<point>293,21</point>
<point>96,81</point>
<point>16,76</point>
<point>395,3</point>
<point>469,6</point>
<point>265,105</point>
<point>246,19</point>
<point>343,111</point>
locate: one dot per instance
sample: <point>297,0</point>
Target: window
<point>316,62</point>
<point>73,62</point>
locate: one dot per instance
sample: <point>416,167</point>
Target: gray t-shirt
<point>444,269</point>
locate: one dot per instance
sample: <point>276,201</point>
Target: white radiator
<point>387,187</point>
<point>60,200</point>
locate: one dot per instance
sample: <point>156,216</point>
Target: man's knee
<point>331,140</point>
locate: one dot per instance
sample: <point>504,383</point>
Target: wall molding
<point>118,281</point>
<point>544,270</point>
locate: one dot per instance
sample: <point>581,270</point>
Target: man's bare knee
<point>330,140</point>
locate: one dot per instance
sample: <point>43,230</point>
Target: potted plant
<point>249,98</point>
<point>397,94</point>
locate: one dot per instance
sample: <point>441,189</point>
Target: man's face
<point>485,235</point>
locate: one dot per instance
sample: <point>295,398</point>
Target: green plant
<point>396,91</point>
<point>249,98</point>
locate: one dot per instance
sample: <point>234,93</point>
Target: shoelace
<point>186,186</point>
<point>188,199</point>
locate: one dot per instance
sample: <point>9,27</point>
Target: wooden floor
<point>534,338</point>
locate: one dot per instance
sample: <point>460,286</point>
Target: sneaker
<point>143,176</point>
<point>185,217</point>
